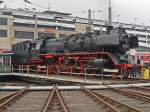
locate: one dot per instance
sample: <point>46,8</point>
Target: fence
<point>49,70</point>
<point>5,69</point>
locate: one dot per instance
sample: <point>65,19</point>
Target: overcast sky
<point>127,9</point>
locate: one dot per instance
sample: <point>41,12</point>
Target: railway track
<point>119,106</point>
<point>84,100</point>
<point>139,103</point>
<point>30,102</point>
<point>55,102</point>
<point>10,98</point>
<point>4,96</point>
<point>142,89</point>
<point>23,101</point>
<point>78,101</point>
<point>139,91</point>
<point>131,93</point>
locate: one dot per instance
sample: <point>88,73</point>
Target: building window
<point>24,47</point>
<point>66,29</point>
<point>3,21</point>
<point>17,48</point>
<point>43,35</point>
<point>23,25</point>
<point>14,48</point>
<point>3,33</point>
<point>24,35</point>
<point>148,42</point>
<point>20,47</point>
<point>144,36</point>
<point>142,41</point>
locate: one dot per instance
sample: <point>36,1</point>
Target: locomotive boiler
<point>114,40</point>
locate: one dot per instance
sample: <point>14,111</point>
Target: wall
<point>5,42</point>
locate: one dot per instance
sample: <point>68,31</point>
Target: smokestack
<point>49,5</point>
<point>109,14</point>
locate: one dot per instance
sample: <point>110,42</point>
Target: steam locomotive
<point>94,52</point>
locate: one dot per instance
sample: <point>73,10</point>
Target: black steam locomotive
<point>97,49</point>
<point>115,41</point>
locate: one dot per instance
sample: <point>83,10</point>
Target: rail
<point>12,98</point>
<point>142,94</point>
<point>117,104</point>
<point>48,101</point>
<point>6,97</point>
<point>62,104</point>
<point>131,94</point>
<point>55,93</point>
<point>144,88</point>
<point>100,100</point>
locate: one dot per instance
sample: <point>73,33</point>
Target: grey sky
<point>127,9</point>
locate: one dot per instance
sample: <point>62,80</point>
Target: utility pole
<point>109,14</point>
<point>118,19</point>
<point>135,19</point>
<point>145,29</point>
<point>25,5</point>
<point>146,35</point>
<point>89,29</point>
<point>35,26</point>
<point>57,28</point>
<point>49,6</point>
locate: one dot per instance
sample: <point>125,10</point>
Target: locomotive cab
<point>34,49</point>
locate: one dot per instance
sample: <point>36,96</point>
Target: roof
<point>56,12</point>
<point>5,51</point>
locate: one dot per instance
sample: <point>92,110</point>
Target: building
<point>5,57</point>
<point>19,25</point>
<point>6,32</point>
